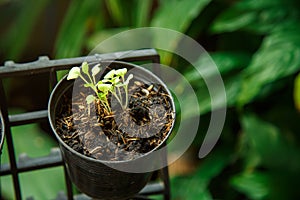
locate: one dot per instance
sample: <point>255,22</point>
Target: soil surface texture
<point>119,135</point>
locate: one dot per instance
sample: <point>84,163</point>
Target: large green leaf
<point>232,89</point>
<point>259,5</point>
<point>278,57</point>
<point>75,26</point>
<point>18,33</point>
<point>114,45</point>
<point>232,20</point>
<point>195,187</point>
<point>275,185</point>
<point>134,13</point>
<point>167,16</point>
<point>255,15</point>
<point>228,65</point>
<point>117,10</point>
<point>224,61</point>
<point>274,150</point>
<point>141,13</point>
<point>267,148</point>
<point>254,185</point>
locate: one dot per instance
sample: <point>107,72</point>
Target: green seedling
<point>113,82</point>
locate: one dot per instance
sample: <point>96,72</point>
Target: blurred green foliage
<point>256,47</point>
<point>35,143</point>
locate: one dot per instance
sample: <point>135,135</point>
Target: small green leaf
<point>102,96</point>
<point>110,74</point>
<point>101,82</point>
<point>115,80</point>
<point>90,98</point>
<point>74,73</point>
<point>96,69</point>
<point>105,87</point>
<point>128,79</point>
<point>88,85</point>
<point>121,72</point>
<point>104,81</point>
<point>85,67</point>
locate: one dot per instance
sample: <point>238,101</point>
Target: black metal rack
<point>23,163</point>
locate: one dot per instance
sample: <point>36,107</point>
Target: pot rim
<point>108,161</point>
<point>2,130</point>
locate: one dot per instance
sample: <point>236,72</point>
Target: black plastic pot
<point>97,178</point>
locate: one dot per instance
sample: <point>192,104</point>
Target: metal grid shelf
<point>24,163</point>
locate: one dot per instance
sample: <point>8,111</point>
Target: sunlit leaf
<point>278,57</point>
<point>17,35</point>
<point>91,85</point>
<point>222,63</point>
<point>100,36</point>
<point>85,67</point>
<point>110,74</point>
<point>70,40</point>
<point>232,20</point>
<point>128,79</point>
<point>254,15</point>
<point>141,12</point>
<point>297,92</point>
<point>166,16</point>
<point>73,73</point>
<point>96,69</point>
<point>105,87</point>
<point>254,185</point>
<point>90,98</point>
<point>117,9</point>
<point>121,72</point>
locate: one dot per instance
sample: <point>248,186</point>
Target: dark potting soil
<point>121,134</point>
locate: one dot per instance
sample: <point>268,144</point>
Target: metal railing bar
<point>26,163</point>
<point>68,184</point>
<point>10,144</point>
<point>153,188</point>
<point>43,64</point>
<point>150,189</point>
<point>26,118</point>
<point>164,172</point>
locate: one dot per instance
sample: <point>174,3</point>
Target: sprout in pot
<point>116,114</point>
<point>113,82</point>
<point>127,126</point>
